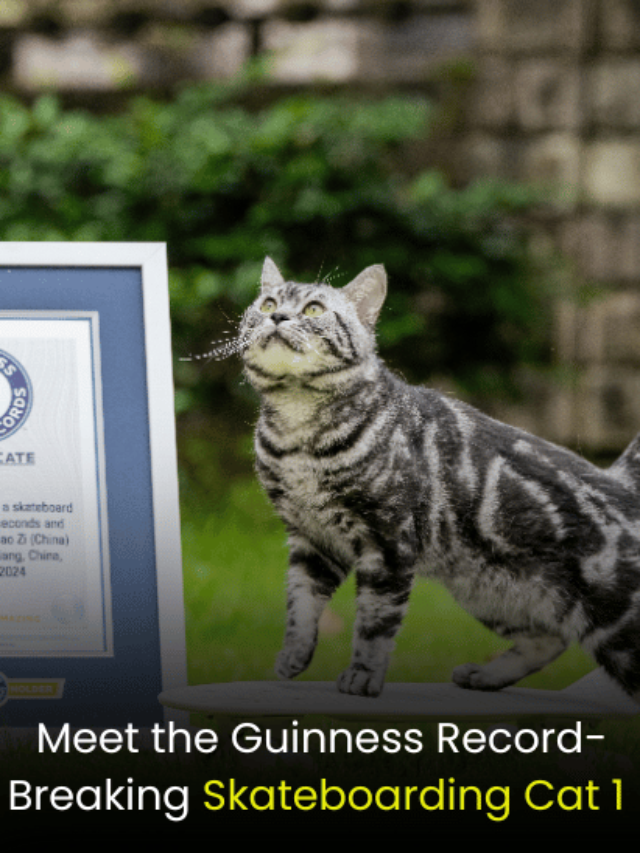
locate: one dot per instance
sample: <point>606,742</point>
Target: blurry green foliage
<point>315,182</point>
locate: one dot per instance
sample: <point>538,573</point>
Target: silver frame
<point>151,259</point>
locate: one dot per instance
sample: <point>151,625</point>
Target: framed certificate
<point>91,600</point>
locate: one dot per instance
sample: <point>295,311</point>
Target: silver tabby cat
<point>389,480</point>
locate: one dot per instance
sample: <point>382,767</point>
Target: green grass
<point>235,562</point>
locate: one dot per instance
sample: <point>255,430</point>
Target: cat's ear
<point>271,275</point>
<point>367,292</point>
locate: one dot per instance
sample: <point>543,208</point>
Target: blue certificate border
<point>124,688</point>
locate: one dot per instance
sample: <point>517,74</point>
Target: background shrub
<point>319,184</point>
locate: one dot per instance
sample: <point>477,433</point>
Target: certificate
<point>91,599</point>
<point>54,556</point>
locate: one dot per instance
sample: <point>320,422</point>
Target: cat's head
<point>310,332</point>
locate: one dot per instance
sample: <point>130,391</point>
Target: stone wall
<point>113,45</point>
<point>555,100</point>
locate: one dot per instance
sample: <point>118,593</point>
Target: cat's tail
<point>627,466</point>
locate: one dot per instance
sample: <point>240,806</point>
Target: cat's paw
<point>291,662</point>
<point>474,677</point>
<point>360,681</point>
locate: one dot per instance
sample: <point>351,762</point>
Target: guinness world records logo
<point>16,395</point>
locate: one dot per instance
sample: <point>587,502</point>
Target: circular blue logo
<point>16,395</point>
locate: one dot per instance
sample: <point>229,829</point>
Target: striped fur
<point>373,475</point>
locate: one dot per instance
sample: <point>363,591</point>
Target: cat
<point>391,480</point>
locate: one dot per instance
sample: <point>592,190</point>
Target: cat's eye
<point>314,309</point>
<point>268,306</point>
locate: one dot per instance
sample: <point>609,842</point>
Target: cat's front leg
<point>527,655</point>
<point>382,603</point>
<point>312,580</point>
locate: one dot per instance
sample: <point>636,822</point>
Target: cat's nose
<point>279,316</point>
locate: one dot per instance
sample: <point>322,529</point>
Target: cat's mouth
<point>278,337</point>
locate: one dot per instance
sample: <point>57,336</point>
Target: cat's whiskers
<point>221,350</point>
